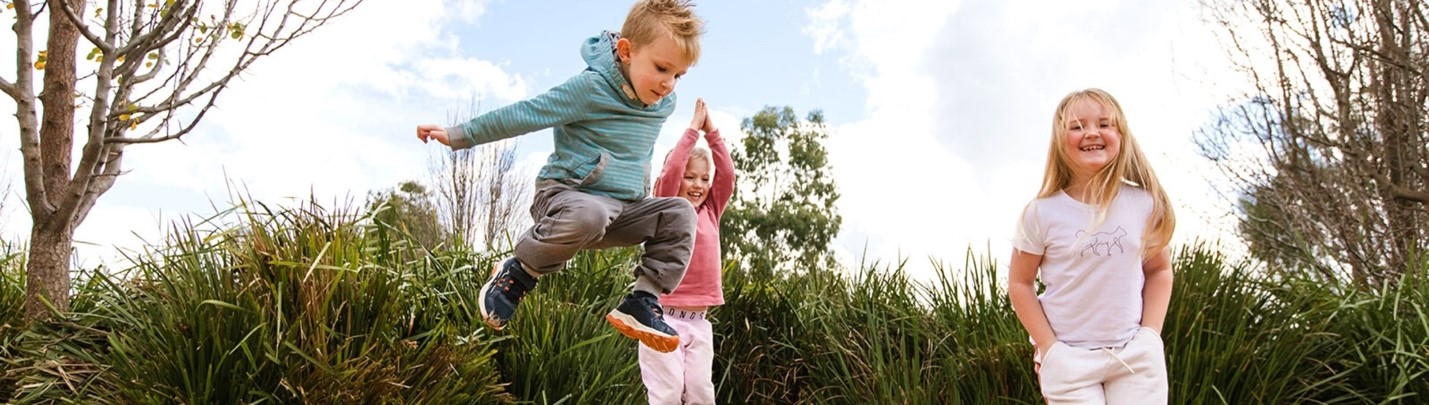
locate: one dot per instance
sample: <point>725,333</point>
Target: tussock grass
<point>288,305</point>
<point>313,305</point>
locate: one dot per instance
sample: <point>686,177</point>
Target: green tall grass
<point>1235,336</point>
<point>294,305</point>
<point>1381,354</point>
<point>12,311</point>
<point>871,337</point>
<point>986,345</point>
<point>311,305</point>
<point>760,356</point>
<point>560,348</point>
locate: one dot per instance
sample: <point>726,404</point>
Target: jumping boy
<point>591,194</point>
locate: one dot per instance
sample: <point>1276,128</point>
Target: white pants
<point>685,375</point>
<point>1131,374</point>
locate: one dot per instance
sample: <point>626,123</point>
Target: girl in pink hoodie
<point>706,178</point>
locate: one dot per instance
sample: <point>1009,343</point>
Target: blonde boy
<point>591,194</point>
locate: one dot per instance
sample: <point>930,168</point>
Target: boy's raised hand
<point>701,120</point>
<point>430,131</point>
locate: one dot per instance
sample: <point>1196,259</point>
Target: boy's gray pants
<point>568,220</point>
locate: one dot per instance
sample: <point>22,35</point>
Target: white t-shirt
<point>1093,276</point>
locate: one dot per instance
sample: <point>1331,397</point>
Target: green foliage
<point>406,214</point>
<point>982,346</point>
<point>12,309</point>
<point>882,344</point>
<point>561,349</point>
<point>287,306</point>
<point>1269,234</point>
<point>818,336</point>
<point>1235,336</point>
<point>310,306</point>
<point>782,215</point>
<point>1382,350</point>
<point>759,357</point>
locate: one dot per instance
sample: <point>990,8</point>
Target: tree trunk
<point>47,273</point>
<point>57,98</point>
<point>52,232</point>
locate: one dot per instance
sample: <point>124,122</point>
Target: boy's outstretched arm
<point>566,103</point>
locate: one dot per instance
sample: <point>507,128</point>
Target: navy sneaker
<point>641,317</point>
<point>500,295</point>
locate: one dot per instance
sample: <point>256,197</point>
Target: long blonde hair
<point>649,20</point>
<point>1130,166</point>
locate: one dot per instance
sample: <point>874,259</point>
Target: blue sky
<point>753,53</point>
<point>939,110</point>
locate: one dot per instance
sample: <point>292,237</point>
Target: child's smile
<point>1092,139</point>
<point>696,181</point>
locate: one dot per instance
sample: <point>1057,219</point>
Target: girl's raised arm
<point>723,187</point>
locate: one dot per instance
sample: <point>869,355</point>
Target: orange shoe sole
<point>662,344</point>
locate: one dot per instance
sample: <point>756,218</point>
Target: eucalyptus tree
<point>783,214</point>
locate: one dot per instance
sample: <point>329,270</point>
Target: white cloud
<point>825,25</point>
<point>960,100</point>
<point>469,10</point>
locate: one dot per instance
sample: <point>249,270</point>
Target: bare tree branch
<point>9,88</point>
<point>1338,180</point>
<point>26,113</point>
<point>480,192</point>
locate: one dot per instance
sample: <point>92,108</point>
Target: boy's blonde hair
<point>1130,166</point>
<point>651,19</point>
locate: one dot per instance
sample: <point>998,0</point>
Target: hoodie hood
<point>599,54</point>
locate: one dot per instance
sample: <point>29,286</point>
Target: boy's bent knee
<point>679,217</point>
<point>679,209</point>
<point>673,203</point>
<point>593,218</point>
<point>582,222</point>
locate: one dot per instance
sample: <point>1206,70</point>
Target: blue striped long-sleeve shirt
<point>604,135</point>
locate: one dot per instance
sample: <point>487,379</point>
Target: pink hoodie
<point>702,285</point>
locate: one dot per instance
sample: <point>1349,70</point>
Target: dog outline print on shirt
<point>1101,243</point>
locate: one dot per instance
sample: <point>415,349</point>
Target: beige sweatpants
<point>568,221</point>
<point>1131,374</point>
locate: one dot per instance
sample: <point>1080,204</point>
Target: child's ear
<point>622,49</point>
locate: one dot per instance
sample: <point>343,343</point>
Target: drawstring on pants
<point>1113,355</point>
